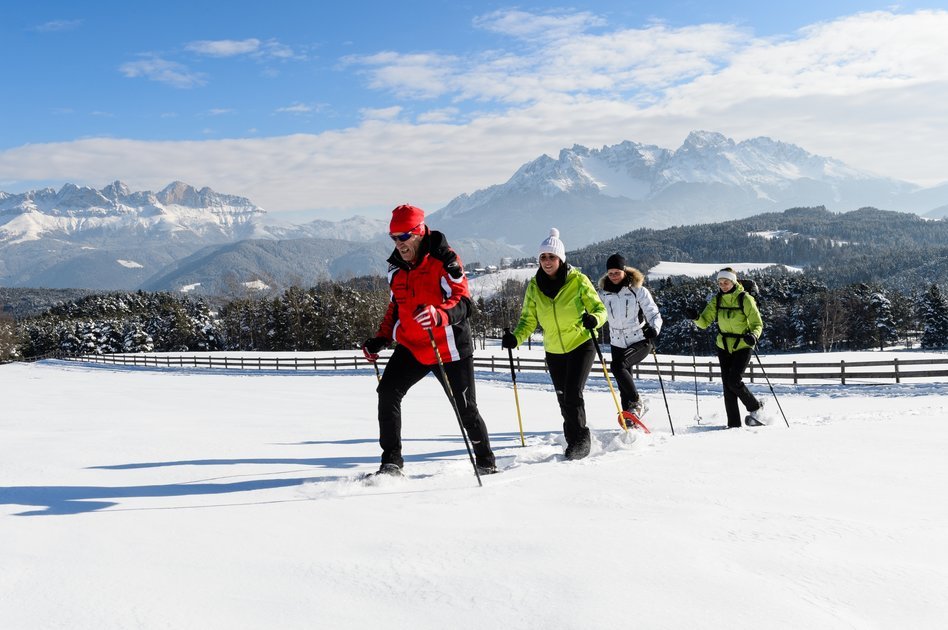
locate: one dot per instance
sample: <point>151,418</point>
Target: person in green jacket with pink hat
<point>565,304</point>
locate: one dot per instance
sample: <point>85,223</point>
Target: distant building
<point>491,268</point>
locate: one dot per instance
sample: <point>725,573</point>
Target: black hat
<point>616,261</point>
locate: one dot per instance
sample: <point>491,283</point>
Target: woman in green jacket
<point>739,326</point>
<point>564,303</point>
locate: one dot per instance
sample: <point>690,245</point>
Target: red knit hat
<point>407,218</point>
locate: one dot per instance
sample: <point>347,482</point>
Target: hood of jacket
<point>633,279</point>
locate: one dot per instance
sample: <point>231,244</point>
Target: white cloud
<point>296,108</point>
<point>384,113</point>
<point>255,48</point>
<point>409,76</point>
<point>869,89</point>
<point>57,26</point>
<point>446,114</point>
<point>162,71</point>
<point>224,47</point>
<point>554,25</point>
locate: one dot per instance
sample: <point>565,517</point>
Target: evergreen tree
<point>885,327</point>
<point>934,314</point>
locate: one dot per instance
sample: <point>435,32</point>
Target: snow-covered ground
<point>665,269</point>
<point>190,498</point>
<point>487,284</point>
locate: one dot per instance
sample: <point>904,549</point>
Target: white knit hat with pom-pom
<point>553,245</point>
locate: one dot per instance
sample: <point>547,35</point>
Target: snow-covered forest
<point>800,314</point>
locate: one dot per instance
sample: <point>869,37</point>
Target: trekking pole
<point>454,404</point>
<point>771,386</point>
<point>378,376</point>
<point>694,368</point>
<point>605,373</point>
<point>658,371</point>
<point>513,377</point>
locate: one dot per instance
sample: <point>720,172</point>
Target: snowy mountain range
<point>595,194</point>
<point>182,238</point>
<point>115,238</point>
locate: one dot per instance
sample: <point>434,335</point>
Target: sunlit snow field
<point>189,498</point>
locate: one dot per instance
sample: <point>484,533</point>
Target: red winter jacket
<point>437,280</point>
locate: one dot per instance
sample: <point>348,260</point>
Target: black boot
<point>578,449</point>
<point>392,470</point>
<point>484,458</point>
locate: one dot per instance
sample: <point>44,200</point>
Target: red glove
<point>429,316</point>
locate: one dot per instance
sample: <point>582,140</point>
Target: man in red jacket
<point>429,293</point>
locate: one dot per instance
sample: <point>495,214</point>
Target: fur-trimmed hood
<point>633,279</point>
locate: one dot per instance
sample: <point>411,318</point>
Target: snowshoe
<point>632,421</point>
<point>385,470</point>
<point>490,469</point>
<point>753,418</point>
<point>751,421</point>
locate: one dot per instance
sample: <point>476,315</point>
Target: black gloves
<point>508,340</point>
<point>649,332</point>
<point>691,313</point>
<point>750,339</point>
<point>589,321</point>
<point>372,347</point>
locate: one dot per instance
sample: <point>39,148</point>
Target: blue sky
<point>330,109</point>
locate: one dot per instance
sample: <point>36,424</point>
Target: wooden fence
<point>891,370</point>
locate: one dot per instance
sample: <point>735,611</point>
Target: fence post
<point>794,372</point>
<point>710,372</point>
<point>225,361</point>
<point>751,365</point>
<point>842,371</point>
<point>897,378</point>
<point>672,369</point>
<point>492,363</point>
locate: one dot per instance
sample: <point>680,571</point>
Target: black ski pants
<point>733,365</point>
<point>403,371</point>
<point>623,360</point>
<point>569,373</point>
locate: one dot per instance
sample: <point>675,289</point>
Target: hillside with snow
<point>199,499</point>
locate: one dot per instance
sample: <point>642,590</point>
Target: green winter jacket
<point>560,318</point>
<point>732,320</point>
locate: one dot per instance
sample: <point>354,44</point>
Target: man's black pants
<point>403,371</point>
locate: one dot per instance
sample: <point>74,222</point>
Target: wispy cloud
<point>220,111</point>
<point>57,26</point>
<point>561,59</point>
<point>380,113</point>
<point>551,25</point>
<point>868,89</point>
<point>251,47</point>
<point>163,71</point>
<point>299,108</point>
<point>224,47</point>
<point>410,75</point>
